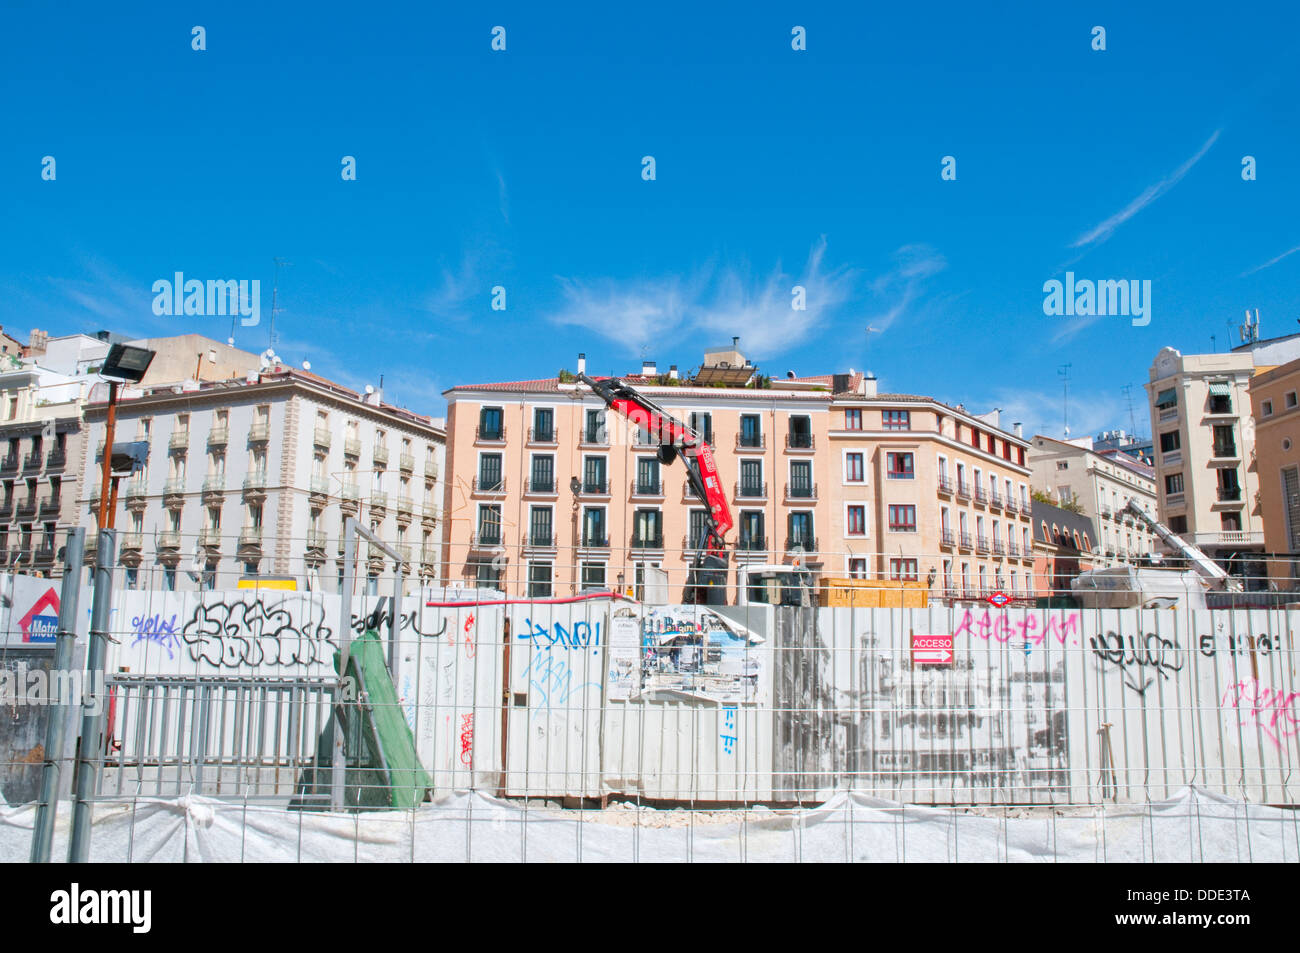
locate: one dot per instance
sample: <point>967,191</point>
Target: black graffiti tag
<point>249,632</point>
<point>1133,655</point>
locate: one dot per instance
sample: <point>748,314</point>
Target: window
<point>902,518</point>
<point>897,419</point>
<point>899,466</point>
<point>1229,487</point>
<point>169,579</point>
<point>489,524</point>
<point>543,475</point>
<point>857,568</point>
<point>593,576</point>
<point>751,434</point>
<point>801,531</point>
<point>594,431</point>
<point>1062,465</point>
<point>1289,399</point>
<point>593,526</point>
<point>539,526</point>
<point>903,569</point>
<point>1266,408</point>
<point>1291,505</point>
<point>1166,398</point>
<point>974,438</point>
<point>1230,522</point>
<point>853,419</point>
<point>801,432</point>
<point>489,471</point>
<point>1220,397</point>
<point>853,469</point>
<point>1225,442</point>
<point>648,529</point>
<point>801,484</point>
<point>856,524</point>
<point>593,475</point>
<point>539,580</point>
<point>209,578</point>
<point>751,478</point>
<point>751,530</point>
<point>702,423</point>
<point>490,424</point>
<point>647,475</point>
<point>697,529</point>
<point>1173,484</point>
<point>543,424</point>
<point>1170,441</point>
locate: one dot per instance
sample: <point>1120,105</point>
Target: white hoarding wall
<point>597,697</point>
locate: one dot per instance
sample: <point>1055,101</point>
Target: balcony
<point>322,437</point>
<point>540,539</point>
<point>995,500</point>
<point>1227,537</point>
<point>255,483</point>
<point>489,434</point>
<point>543,437</point>
<point>595,488</point>
<point>946,538</point>
<point>380,455</point>
<point>643,440</point>
<point>349,494</point>
<point>406,462</point>
<point>751,441</point>
<point>981,544</point>
<point>963,490</point>
<point>945,486</point>
<point>1010,506</point>
<point>1168,414</point>
<point>405,507</point>
<point>745,490</point>
<point>1013,550</point>
<point>169,540</point>
<point>998,548</point>
<point>33,460</point>
<point>132,542</point>
<point>801,491</point>
<point>259,432</point>
<point>179,440</point>
<point>378,502</point>
<point>751,544</point>
<point>653,488</point>
<point>50,504</point>
<point>594,438</point>
<point>210,538</point>
<point>429,514</point>
<point>57,459</point>
<point>429,555</point>
<point>316,540</point>
<point>981,496</point>
<point>219,436</point>
<point>319,487</point>
<point>486,537</point>
<point>214,484</point>
<point>800,442</point>
<point>1229,494</point>
<point>430,469</point>
<point>801,544</point>
<point>10,462</point>
<point>595,540</point>
<point>490,484</point>
<point>964,541</point>
<point>543,487</point>
<point>7,506</point>
<point>1225,451</point>
<point>250,536</point>
<point>351,447</point>
<point>175,486</point>
<point>648,540</point>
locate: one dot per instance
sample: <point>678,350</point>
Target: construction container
<point>843,592</point>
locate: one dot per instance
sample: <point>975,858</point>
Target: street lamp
<point>124,363</point>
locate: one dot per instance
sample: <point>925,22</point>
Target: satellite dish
<point>230,342</point>
<point>370,389</point>
<point>306,365</point>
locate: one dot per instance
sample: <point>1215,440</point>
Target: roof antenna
<point>1064,373</point>
<point>275,286</point>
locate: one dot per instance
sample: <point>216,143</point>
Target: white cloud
<point>1271,262</point>
<point>1091,412</point>
<point>1100,233</point>
<point>899,287</point>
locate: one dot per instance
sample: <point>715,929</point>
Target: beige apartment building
<point>549,494</point>
<point>1204,442</point>
<point>1275,403</point>
<point>1101,483</point>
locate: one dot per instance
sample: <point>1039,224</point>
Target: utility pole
<point>1064,373</point>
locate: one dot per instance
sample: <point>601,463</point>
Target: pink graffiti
<point>467,739</point>
<point>470,647</point>
<point>1265,708</point>
<point>1002,628</point>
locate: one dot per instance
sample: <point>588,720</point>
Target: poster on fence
<point>693,650</point>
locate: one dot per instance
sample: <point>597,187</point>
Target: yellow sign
<point>268,582</point>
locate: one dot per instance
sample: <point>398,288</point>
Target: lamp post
<point>125,363</point>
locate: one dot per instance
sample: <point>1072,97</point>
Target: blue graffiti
<point>554,680</point>
<point>583,636</point>
<point>155,629</point>
<point>729,723</point>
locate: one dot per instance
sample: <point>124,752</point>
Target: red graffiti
<point>1002,628</point>
<point>470,647</point>
<point>467,739</point>
<point>1275,713</point>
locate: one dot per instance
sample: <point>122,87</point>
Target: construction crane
<point>706,583</point>
<point>1209,570</point>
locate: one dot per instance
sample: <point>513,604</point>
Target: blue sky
<point>774,168</point>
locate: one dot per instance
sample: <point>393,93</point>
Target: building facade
<point>1064,546</point>
<point>1101,483</point>
<point>1275,405</point>
<point>253,476</point>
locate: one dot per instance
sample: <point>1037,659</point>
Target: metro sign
<point>1000,599</point>
<point>931,649</point>
<point>38,628</point>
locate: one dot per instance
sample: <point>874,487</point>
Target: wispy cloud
<point>1271,262</point>
<point>899,288</point>
<point>1042,411</point>
<point>726,301</point>
<point>481,266</point>
<point>1100,233</point>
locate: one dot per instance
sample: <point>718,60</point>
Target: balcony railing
<point>801,491</point>
<point>316,539</point>
<point>429,555</point>
<point>259,433</point>
<point>214,484</point>
<point>804,544</point>
<point>405,506</point>
<point>1010,505</point>
<point>210,538</point>
<point>250,536</point>
<point>430,469</point>
<point>406,462</point>
<point>964,540</point>
<point>255,481</point>
<point>380,455</point>
<point>219,436</point>
<point>1013,549</point>
<point>594,438</point>
<point>175,486</point>
<point>799,441</point>
<point>595,540</point>
<point>489,484</point>
<point>322,437</point>
<point>378,500</point>
<point>595,487</point>
<point>486,536</point>
<point>349,493</point>
<point>981,544</point>
<point>1229,493</point>
<point>490,434</point>
<point>963,489</point>
<point>541,539</point>
<point>900,474</point>
<point>746,490</point>
<point>1225,451</point>
<point>544,486</point>
<point>352,446</point>
<point>647,488</point>
<point>33,460</point>
<point>650,541</point>
<point>995,499</point>
<point>179,440</point>
<point>542,436</point>
<point>11,462</point>
<point>319,486</point>
<point>169,540</point>
<point>946,538</point>
<point>981,496</point>
<point>50,504</point>
<point>57,459</point>
<point>132,542</point>
<point>751,441</point>
<point>945,486</point>
<point>27,506</point>
<point>136,488</point>
<point>999,549</point>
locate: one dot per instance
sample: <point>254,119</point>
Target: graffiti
<point>245,630</point>
<point>467,739</point>
<point>583,636</point>
<point>554,680</point>
<point>154,628</point>
<point>1264,708</point>
<point>1143,652</point>
<point>728,733</point>
<point>1002,628</point>
<point>470,647</point>
<point>379,619</point>
<point>1241,644</point>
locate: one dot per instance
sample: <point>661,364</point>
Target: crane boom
<point>1203,564</point>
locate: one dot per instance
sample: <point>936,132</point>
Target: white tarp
<point>1193,826</point>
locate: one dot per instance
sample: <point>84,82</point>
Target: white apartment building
<point>254,477</point>
<point>1204,443</point>
<point>1102,483</point>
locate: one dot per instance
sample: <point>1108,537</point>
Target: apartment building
<point>1065,544</point>
<point>1204,436</point>
<point>1100,482</point>
<point>549,493</point>
<point>824,469</point>
<point>253,476</point>
<point>1275,407</point>
<point>925,491</point>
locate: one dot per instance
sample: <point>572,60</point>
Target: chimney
<point>582,363</point>
<point>672,372</point>
<point>869,385</point>
<point>648,369</point>
<point>735,343</point>
<point>1019,428</point>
